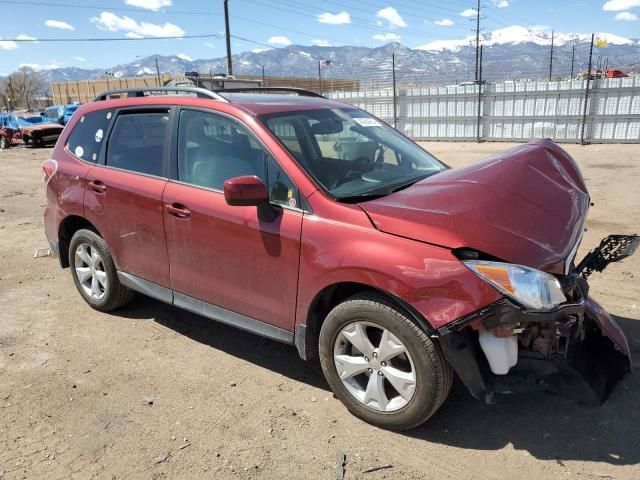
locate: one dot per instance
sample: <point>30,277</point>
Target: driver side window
<point>213,148</point>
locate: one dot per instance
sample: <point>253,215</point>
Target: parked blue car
<point>61,113</point>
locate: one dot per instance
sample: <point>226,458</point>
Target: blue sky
<point>276,23</point>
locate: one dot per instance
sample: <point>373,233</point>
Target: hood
<point>526,206</point>
<point>38,127</point>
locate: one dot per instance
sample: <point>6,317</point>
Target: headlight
<point>532,288</point>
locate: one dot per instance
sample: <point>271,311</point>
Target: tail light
<point>49,169</point>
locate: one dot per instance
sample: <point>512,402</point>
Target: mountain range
<point>509,53</point>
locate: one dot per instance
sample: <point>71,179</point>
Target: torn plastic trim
<point>506,312</point>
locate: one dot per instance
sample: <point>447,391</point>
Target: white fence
<point>512,111</point>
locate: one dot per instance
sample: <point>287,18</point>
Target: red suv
<point>311,222</point>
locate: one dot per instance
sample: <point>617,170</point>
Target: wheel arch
<point>307,334</point>
<point>68,227</point>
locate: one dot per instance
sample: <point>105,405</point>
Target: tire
<point>4,143</point>
<point>102,291</point>
<point>374,314</point>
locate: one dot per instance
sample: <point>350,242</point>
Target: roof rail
<point>300,91</point>
<point>140,92</point>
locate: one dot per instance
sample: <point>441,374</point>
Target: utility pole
<point>319,78</point>
<point>573,58</point>
<point>228,35</point>
<point>479,117</point>
<point>157,73</point>
<point>264,84</point>
<point>551,57</point>
<point>395,97</point>
<point>586,92</point>
<point>477,41</point>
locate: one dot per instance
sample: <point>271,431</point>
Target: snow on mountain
<point>517,34</point>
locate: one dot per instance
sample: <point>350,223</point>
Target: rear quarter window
<point>86,138</point>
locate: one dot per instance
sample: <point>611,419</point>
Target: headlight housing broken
<point>531,288</point>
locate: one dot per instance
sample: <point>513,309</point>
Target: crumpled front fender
<point>608,325</point>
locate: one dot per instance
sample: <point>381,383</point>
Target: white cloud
<point>320,42</point>
<point>208,45</point>
<point>279,40</point>
<point>392,16</point>
<point>469,12</point>
<point>23,36</point>
<point>626,17</point>
<point>619,5</point>
<point>59,24</point>
<point>8,45</point>
<point>334,18</point>
<point>500,3</point>
<point>149,4</point>
<point>80,59</point>
<point>387,37</point>
<point>37,66</point>
<point>114,23</point>
<point>445,22</point>
<point>184,56</point>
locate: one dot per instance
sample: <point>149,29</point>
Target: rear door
<point>231,257</point>
<point>124,191</point>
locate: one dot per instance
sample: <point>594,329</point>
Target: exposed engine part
<point>551,339</point>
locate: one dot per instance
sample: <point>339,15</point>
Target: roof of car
<point>253,103</point>
<point>263,103</point>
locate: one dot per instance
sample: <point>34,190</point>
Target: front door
<point>231,257</point>
<point>124,195</point>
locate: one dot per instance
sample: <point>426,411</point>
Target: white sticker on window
<point>292,202</point>
<point>108,115</point>
<point>367,122</point>
<point>99,135</point>
<point>79,151</point>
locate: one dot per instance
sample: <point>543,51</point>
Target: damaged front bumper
<point>591,354</point>
<point>576,350</point>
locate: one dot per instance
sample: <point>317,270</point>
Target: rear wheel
<point>4,143</point>
<point>381,365</point>
<point>94,272</point>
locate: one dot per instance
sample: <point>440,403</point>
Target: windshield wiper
<point>382,192</point>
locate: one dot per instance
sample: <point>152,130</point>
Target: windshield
<point>351,154</point>
<point>69,109</point>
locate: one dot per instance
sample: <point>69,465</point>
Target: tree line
<point>23,89</point>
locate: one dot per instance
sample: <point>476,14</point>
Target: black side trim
<point>205,309</point>
<point>303,343</point>
<point>231,318</point>
<point>145,287</point>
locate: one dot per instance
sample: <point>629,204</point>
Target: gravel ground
<point>227,404</point>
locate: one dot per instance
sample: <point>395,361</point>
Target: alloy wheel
<point>90,271</point>
<point>374,366</point>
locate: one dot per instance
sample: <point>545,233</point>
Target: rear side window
<point>86,138</point>
<point>137,142</point>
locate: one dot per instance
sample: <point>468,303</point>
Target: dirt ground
<point>228,404</point>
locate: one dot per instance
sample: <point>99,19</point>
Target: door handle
<point>97,186</point>
<point>178,211</point>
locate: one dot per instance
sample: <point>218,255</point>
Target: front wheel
<point>381,365</point>
<point>94,272</point>
<point>4,143</point>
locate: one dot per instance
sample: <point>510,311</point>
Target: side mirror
<point>245,191</point>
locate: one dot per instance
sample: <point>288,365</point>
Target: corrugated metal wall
<point>512,111</point>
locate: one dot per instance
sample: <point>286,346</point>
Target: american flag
<point>325,63</point>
